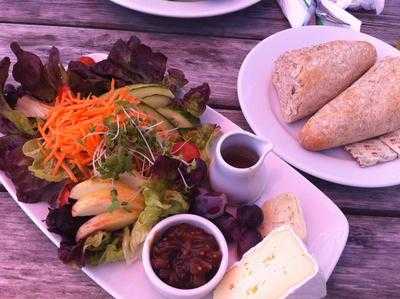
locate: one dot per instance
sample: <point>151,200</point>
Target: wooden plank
<point>362,201</point>
<point>256,22</point>
<point>369,265</point>
<point>203,59</point>
<point>29,267</point>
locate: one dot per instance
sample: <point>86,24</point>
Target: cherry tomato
<point>63,89</point>
<point>188,151</point>
<point>87,60</point>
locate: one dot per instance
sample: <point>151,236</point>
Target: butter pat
<point>284,209</point>
<point>278,267</point>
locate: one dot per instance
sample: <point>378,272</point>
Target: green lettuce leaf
<point>103,247</point>
<point>40,168</point>
<point>160,202</point>
<point>126,248</point>
<point>200,135</point>
<point>20,121</point>
<point>31,148</point>
<point>17,118</point>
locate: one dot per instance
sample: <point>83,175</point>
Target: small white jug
<point>244,184</point>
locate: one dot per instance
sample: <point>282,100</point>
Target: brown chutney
<point>185,256</point>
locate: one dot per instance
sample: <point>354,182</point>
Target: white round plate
<point>186,9</point>
<point>259,104</point>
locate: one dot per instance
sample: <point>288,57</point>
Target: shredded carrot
<point>59,162</point>
<point>75,128</point>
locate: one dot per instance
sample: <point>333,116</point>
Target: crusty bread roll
<point>306,79</point>
<point>369,108</point>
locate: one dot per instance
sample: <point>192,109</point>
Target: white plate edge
<point>151,11</point>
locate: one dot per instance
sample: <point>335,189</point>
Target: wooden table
<point>207,50</point>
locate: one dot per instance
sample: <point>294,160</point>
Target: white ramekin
<point>167,290</point>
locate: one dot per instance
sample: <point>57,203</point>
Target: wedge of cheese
<point>281,210</point>
<point>278,267</point>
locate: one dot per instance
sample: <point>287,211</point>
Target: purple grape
<point>248,239</point>
<point>209,204</point>
<point>228,225</point>
<point>250,216</point>
<point>237,231</point>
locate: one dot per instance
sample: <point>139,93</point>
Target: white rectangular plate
<point>327,226</point>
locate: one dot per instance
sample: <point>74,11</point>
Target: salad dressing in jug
<point>237,168</point>
<point>240,156</point>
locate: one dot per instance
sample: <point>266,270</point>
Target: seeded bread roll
<point>369,108</point>
<point>306,79</point>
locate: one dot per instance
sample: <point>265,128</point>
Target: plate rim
<point>282,154</point>
<point>178,15</point>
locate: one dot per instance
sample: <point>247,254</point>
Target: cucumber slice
<point>179,118</point>
<point>157,101</point>
<point>141,85</point>
<point>165,125</point>
<point>150,91</point>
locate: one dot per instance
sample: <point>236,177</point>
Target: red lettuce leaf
<point>71,252</point>
<point>196,99</point>
<point>40,81</point>
<point>4,68</point>
<point>175,80</point>
<point>166,168</point>
<point>82,79</point>
<point>54,69</point>
<point>8,92</point>
<point>7,127</point>
<point>60,221</point>
<point>14,164</point>
<point>127,63</point>
<point>195,174</point>
<point>181,176</point>
<point>143,65</point>
<point>108,70</point>
<point>11,95</point>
